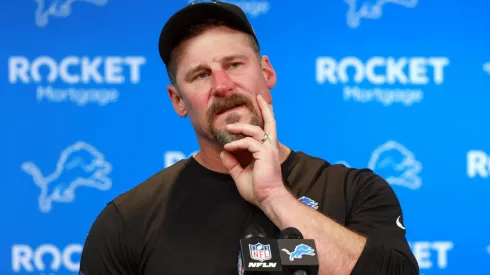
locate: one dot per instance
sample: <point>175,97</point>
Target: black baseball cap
<point>174,30</point>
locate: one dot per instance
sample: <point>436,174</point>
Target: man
<point>188,218</point>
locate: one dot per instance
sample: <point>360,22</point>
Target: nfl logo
<point>260,252</point>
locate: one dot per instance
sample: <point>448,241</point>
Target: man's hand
<point>262,178</point>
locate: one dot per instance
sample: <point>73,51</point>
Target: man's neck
<point>208,156</point>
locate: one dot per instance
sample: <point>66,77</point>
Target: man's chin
<point>221,136</point>
<point>224,137</point>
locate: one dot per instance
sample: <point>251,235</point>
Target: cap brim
<point>177,25</point>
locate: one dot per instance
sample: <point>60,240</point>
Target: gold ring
<point>264,138</point>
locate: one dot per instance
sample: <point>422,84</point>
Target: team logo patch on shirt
<point>311,203</point>
<point>260,252</point>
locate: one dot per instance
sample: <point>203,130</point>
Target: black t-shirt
<point>188,220</point>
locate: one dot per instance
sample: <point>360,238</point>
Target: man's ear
<point>177,101</point>
<point>268,72</point>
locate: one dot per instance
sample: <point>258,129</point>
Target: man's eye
<point>201,75</point>
<point>235,64</point>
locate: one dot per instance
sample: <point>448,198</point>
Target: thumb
<point>231,164</point>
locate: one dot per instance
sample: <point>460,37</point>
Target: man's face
<point>219,77</point>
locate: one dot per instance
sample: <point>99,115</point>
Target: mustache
<point>223,104</point>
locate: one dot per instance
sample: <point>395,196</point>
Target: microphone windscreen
<point>254,231</point>
<point>290,233</point>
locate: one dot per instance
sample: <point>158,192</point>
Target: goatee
<point>222,137</point>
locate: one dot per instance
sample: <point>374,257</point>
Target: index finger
<point>269,121</point>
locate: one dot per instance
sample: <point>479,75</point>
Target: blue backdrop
<point>399,86</point>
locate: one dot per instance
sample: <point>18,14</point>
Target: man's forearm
<point>338,248</point>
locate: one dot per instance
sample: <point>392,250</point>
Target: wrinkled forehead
<point>209,47</point>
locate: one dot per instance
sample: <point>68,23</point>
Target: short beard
<point>222,137</point>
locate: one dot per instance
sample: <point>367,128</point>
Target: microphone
<point>298,256</point>
<point>258,254</point>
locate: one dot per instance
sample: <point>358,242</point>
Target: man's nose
<point>222,83</point>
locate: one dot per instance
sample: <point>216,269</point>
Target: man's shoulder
<point>311,168</point>
<point>152,192</point>
<point>335,188</point>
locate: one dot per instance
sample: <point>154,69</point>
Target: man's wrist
<point>278,198</point>
<point>278,194</point>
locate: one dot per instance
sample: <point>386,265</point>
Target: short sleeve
<point>104,251</point>
<point>376,214</point>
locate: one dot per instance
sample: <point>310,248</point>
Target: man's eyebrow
<point>201,67</point>
<point>232,57</point>
<point>194,70</point>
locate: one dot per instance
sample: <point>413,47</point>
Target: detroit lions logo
<point>371,9</point>
<point>311,203</point>
<point>396,164</point>
<point>299,251</point>
<point>58,8</point>
<point>79,165</point>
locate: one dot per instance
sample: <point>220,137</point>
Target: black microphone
<point>258,254</point>
<point>298,256</point>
